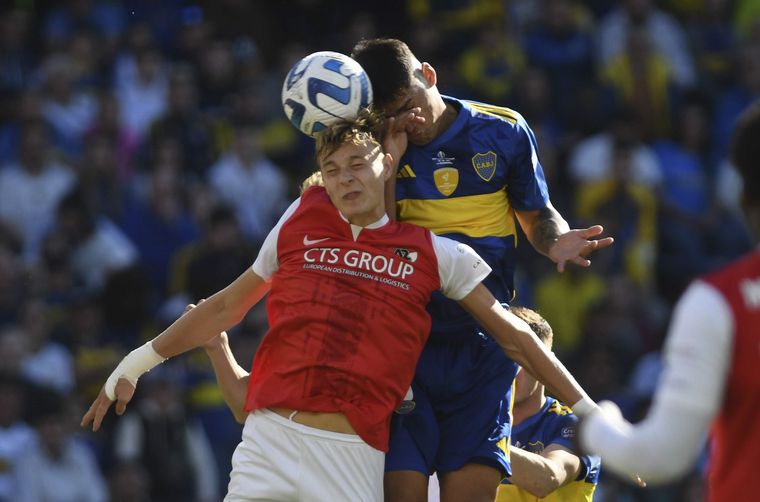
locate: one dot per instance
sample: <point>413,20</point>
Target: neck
<point>447,117</point>
<point>529,406</point>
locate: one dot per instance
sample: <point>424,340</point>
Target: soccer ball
<point>324,88</point>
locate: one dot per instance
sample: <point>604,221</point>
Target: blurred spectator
<point>628,210</point>
<point>97,246</point>
<point>459,22</point>
<point>143,92</point>
<point>712,38</point>
<point>57,467</point>
<point>564,300</point>
<point>560,43</point>
<point>11,275</point>
<point>217,74</point>
<point>16,436</point>
<point>31,188</point>
<point>697,233</point>
<point>156,216</point>
<point>22,107</point>
<point>68,110</point>
<point>250,182</point>
<point>185,121</point>
<point>16,59</point>
<point>99,182</point>
<point>491,67</point>
<point>592,159</point>
<point>641,79</point>
<point>665,32</point>
<point>47,363</point>
<point>159,434</point>
<point>203,268</point>
<point>737,98</point>
<point>129,482</point>
<point>124,140</point>
<point>107,19</point>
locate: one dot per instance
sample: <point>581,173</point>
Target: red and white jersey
<point>347,311</point>
<point>736,430</point>
<point>710,379</point>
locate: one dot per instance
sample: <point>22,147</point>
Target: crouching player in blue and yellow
<point>544,466</point>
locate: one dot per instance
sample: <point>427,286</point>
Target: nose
<point>346,176</point>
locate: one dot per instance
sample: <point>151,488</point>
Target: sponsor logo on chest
<point>396,267</point>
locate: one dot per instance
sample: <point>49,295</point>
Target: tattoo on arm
<point>548,226</point>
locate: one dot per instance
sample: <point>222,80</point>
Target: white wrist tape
<point>139,361</point>
<point>584,407</point>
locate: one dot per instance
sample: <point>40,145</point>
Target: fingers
<point>190,306</point>
<point>592,231</point>
<point>97,411</point>
<point>561,266</point>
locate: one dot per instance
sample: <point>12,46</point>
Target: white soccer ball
<point>324,88</point>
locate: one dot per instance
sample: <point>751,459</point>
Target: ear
<point>430,75</point>
<point>387,166</point>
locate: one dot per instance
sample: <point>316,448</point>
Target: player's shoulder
<point>497,116</point>
<point>559,409</point>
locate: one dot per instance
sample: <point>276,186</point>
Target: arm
<point>231,377</point>
<point>551,236</point>
<point>223,310</point>
<point>542,474</point>
<point>395,141</point>
<point>523,346</point>
<point>664,445</point>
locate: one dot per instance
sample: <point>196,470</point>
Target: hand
<point>215,342</point>
<point>123,392</point>
<point>396,139</point>
<point>575,245</point>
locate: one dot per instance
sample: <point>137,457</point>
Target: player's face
<point>420,93</point>
<point>525,386</point>
<point>354,177</point>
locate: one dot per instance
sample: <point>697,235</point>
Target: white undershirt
<point>460,268</point>
<point>696,358</point>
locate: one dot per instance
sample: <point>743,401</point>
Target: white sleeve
<point>696,359</point>
<point>460,268</point>
<point>266,263</point>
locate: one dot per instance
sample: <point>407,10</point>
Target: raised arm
<point>223,310</point>
<point>551,236</point>
<point>522,345</point>
<point>230,376</point>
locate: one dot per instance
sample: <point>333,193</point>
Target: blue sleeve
<point>563,431</point>
<point>526,185</point>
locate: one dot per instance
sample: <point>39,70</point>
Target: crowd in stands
<point>144,156</point>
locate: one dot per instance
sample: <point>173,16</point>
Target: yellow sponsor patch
<point>446,180</point>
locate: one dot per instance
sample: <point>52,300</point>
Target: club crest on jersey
<point>406,254</point>
<point>485,164</point>
<point>446,180</point>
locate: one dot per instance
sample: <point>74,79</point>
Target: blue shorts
<point>462,393</point>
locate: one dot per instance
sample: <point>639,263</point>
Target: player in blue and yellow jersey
<point>544,465</point>
<point>469,171</point>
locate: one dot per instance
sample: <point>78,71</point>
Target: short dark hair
<point>389,63</point>
<point>538,324</point>
<point>745,153</point>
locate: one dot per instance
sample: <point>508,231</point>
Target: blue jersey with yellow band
<point>465,185</point>
<point>556,424</point>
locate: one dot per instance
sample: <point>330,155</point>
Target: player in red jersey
<point>711,376</point>
<point>346,307</point>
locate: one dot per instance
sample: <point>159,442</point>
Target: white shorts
<point>281,460</point>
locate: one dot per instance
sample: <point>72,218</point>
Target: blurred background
<point>144,156</point>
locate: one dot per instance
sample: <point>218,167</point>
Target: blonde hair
<point>538,324</point>
<point>314,180</point>
<point>367,127</point>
